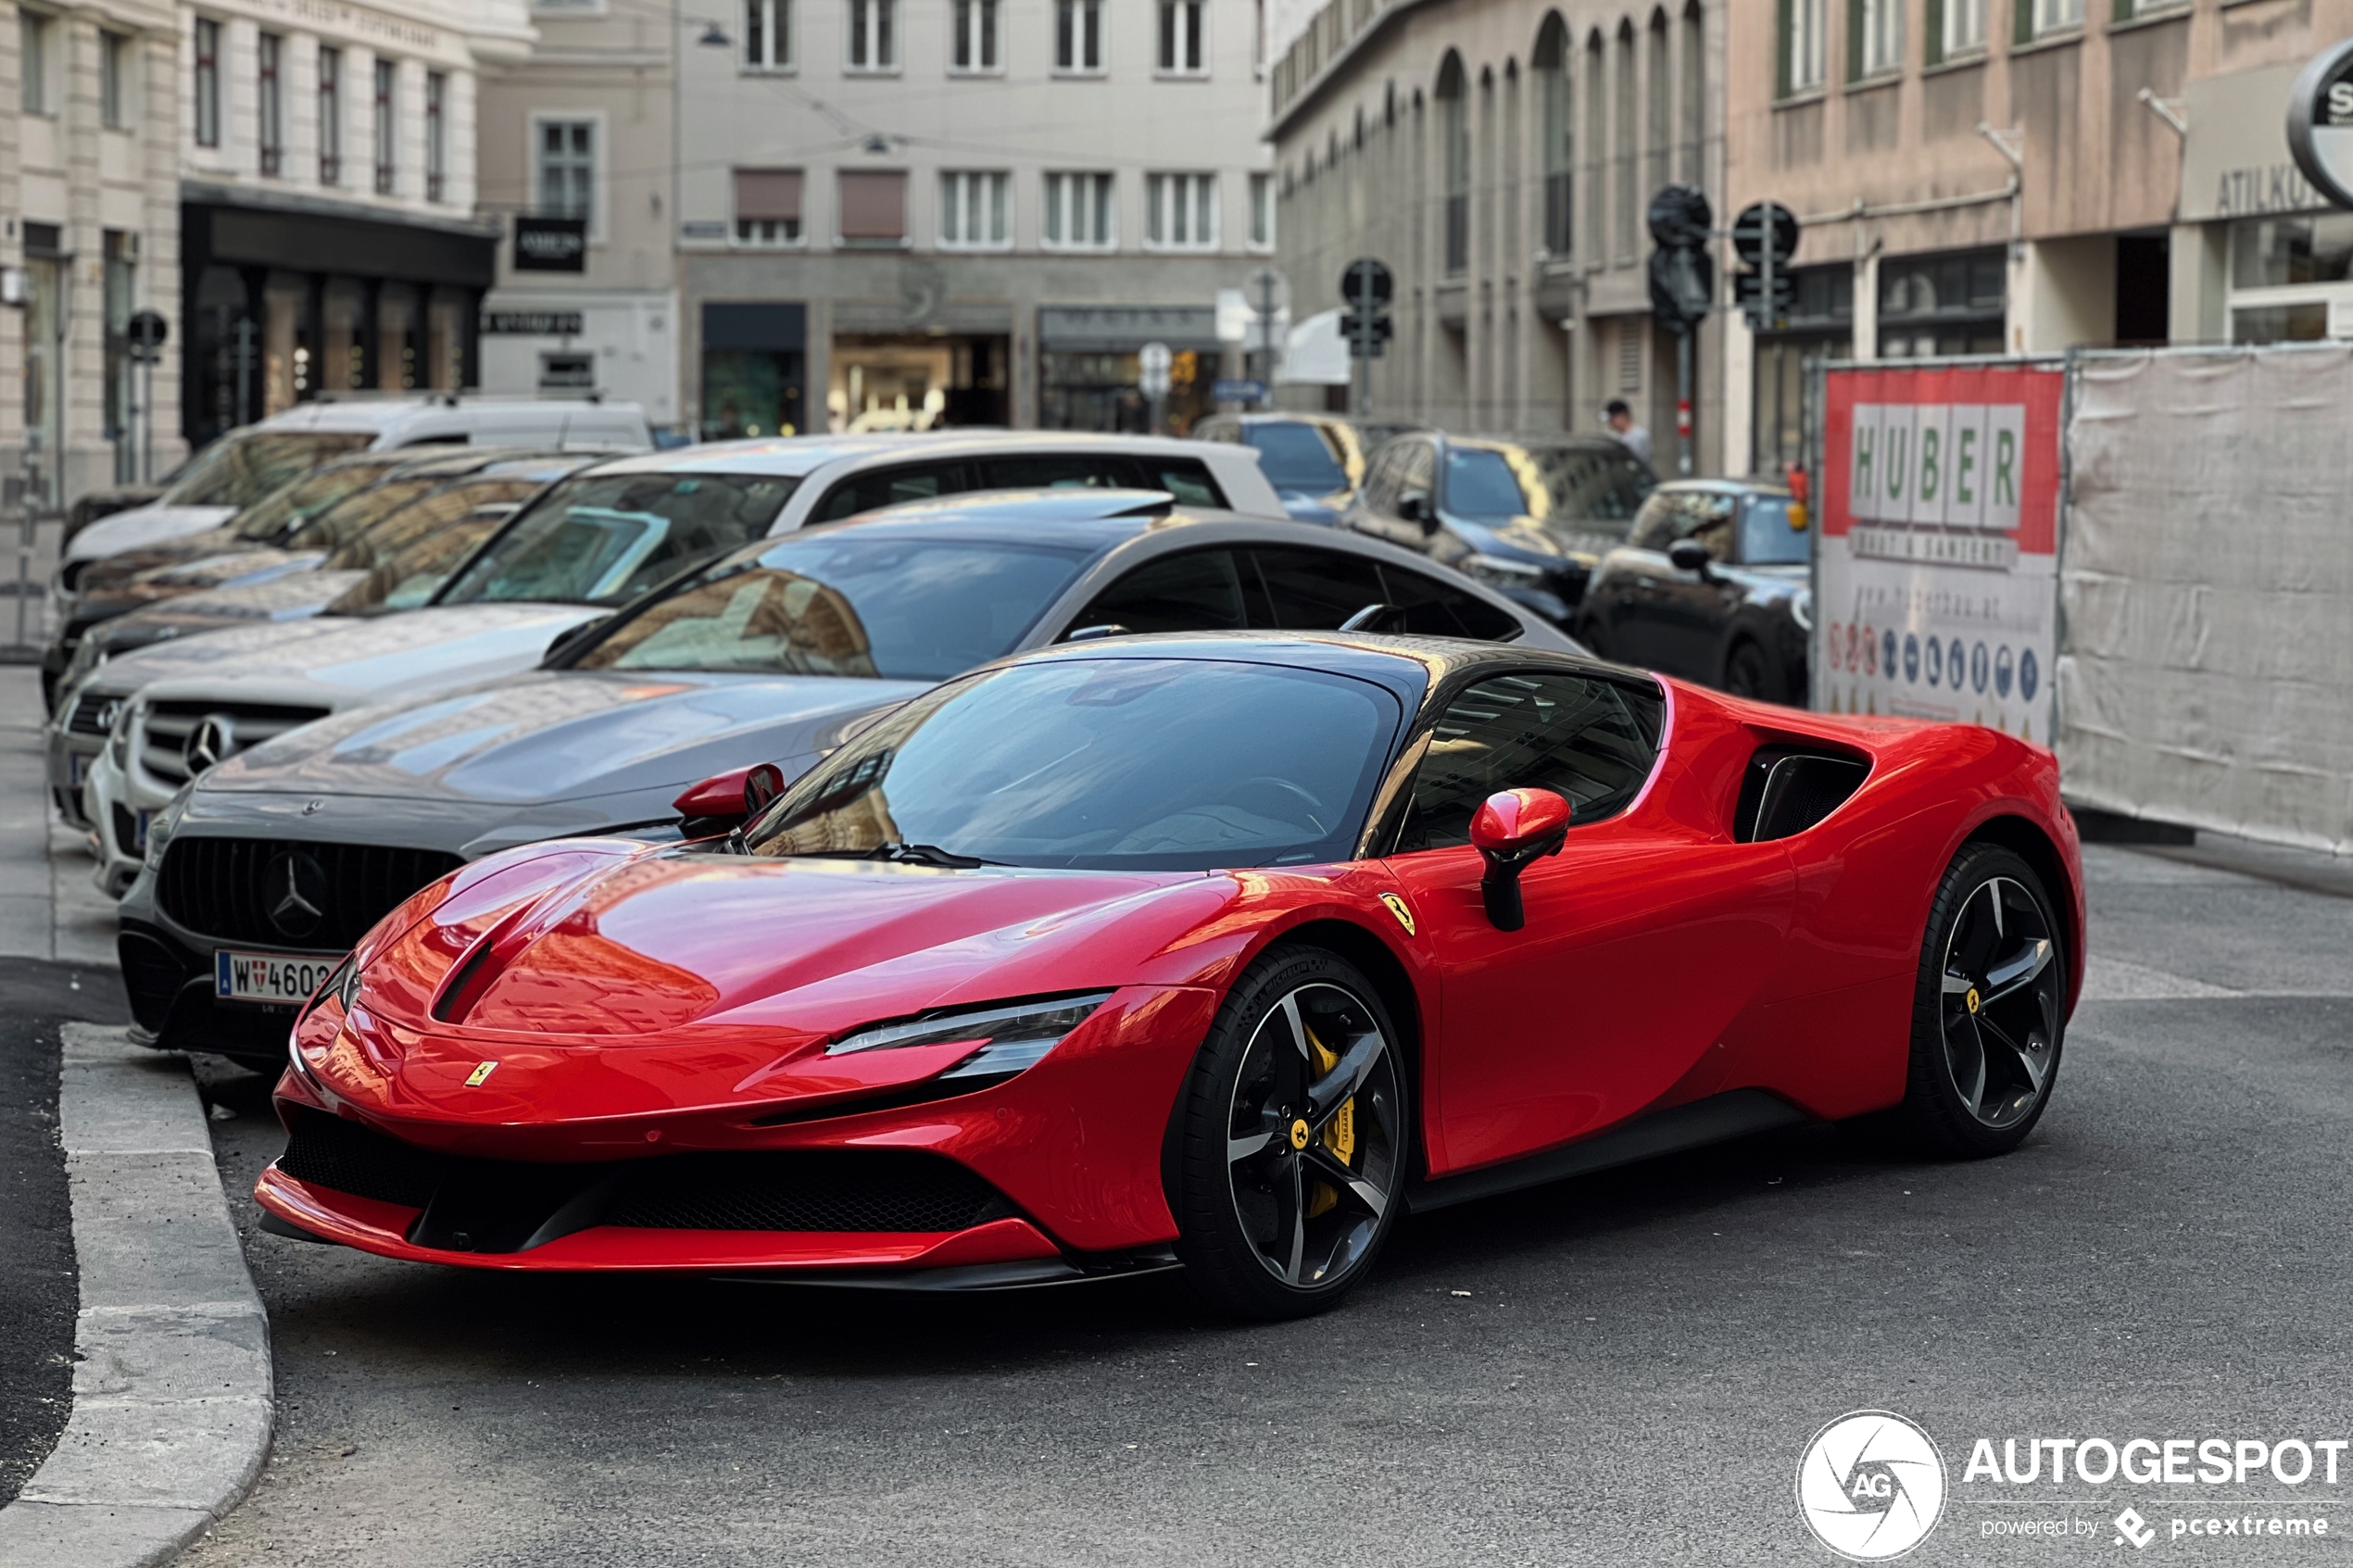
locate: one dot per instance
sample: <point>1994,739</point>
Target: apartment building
<point>586,130</point>
<point>330,241</point>
<point>1500,156</point>
<point>2023,177</point>
<point>907,212</point>
<point>89,231</point>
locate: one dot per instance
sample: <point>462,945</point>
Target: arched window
<point>1630,203</point>
<point>1454,153</point>
<point>1694,96</point>
<point>1556,136</point>
<point>1596,150</point>
<point>1659,122</point>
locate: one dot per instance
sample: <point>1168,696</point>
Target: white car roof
<point>796,457</point>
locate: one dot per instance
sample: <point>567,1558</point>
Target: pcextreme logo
<point>1871,1486</point>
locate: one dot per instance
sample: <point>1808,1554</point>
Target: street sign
<point>532,323</point>
<point>551,244</point>
<point>1268,291</point>
<point>146,331</point>
<point>1761,226</point>
<point>2320,123</point>
<point>1232,389</point>
<point>1367,282</point>
<point>1152,362</point>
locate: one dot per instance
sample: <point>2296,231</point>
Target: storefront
<point>1941,305</point>
<point>2284,254</point>
<point>283,303</point>
<point>1088,366</point>
<point>754,368</point>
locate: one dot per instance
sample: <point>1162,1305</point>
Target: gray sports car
<point>265,870</point>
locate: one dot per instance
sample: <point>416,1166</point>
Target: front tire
<point>1988,1011</point>
<point>1293,1139</point>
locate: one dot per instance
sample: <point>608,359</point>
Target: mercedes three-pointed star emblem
<point>211,743</point>
<point>293,893</point>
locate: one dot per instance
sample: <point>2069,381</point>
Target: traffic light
<point>1748,290</point>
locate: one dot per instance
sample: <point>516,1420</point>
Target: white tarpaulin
<point>2206,670</point>
<point>1316,355</point>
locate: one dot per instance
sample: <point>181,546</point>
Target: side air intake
<point>1788,789</point>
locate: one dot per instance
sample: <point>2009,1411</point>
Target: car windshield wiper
<point>915,854</point>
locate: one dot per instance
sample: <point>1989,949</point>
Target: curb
<point>172,1387</point>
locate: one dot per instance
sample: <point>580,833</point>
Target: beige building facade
<point>1500,157</point>
<point>89,232</point>
<point>2024,177</point>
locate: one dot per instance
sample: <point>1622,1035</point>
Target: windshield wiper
<point>927,855</point>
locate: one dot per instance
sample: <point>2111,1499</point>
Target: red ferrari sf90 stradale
<point>1223,951</point>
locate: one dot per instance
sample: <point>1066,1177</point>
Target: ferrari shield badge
<point>480,1074</point>
<point>1397,906</point>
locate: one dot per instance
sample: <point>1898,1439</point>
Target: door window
<point>1670,515</point>
<point>1056,470</point>
<point>886,487</point>
<point>1589,740</point>
<point>1766,538</point>
<point>1316,590</point>
<point>1197,590</point>
<point>1429,609</point>
<point>1185,478</point>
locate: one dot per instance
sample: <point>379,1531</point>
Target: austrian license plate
<point>77,770</point>
<point>281,979</point>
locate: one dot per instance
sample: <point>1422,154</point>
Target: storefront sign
<point>2320,123</point>
<point>532,323</point>
<point>551,244</point>
<point>2235,161</point>
<point>1937,561</point>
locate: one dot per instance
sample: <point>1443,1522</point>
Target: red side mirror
<point>1513,829</point>
<point>727,800</point>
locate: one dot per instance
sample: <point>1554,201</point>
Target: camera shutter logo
<point>1871,1486</point>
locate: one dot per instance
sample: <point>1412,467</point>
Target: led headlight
<point>1500,569</point>
<point>1018,1035</point>
<point>119,734</point>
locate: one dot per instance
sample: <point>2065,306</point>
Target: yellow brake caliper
<point>1339,1133</point>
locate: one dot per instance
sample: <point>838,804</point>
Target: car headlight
<point>1501,569</point>
<point>1017,1034</point>
<point>1801,609</point>
<point>119,734</point>
<point>166,822</point>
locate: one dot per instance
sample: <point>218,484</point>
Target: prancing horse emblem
<point>294,892</point>
<point>211,743</point>
<point>1397,906</point>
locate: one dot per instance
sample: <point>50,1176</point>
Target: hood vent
<point>468,981</point>
<point>1787,790</point>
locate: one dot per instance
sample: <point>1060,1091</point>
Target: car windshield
<point>602,539</point>
<point>1481,483</point>
<point>407,578</point>
<point>390,532</point>
<point>1593,489</point>
<point>290,506</point>
<point>848,603</point>
<point>1298,459</point>
<point>339,524</point>
<point>1118,764</point>
<point>237,470</point>
<point>1767,536</point>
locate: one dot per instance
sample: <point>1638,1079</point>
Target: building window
<point>1078,212</point>
<point>1180,212</point>
<point>1875,37</point>
<point>1959,30</point>
<point>1182,50</point>
<point>873,208</point>
<point>269,103</point>
<point>330,116</point>
<point>1802,50</point>
<point>1630,195</point>
<point>387,129</point>
<point>1078,35</point>
<point>33,29</point>
<point>1941,305</point>
<point>974,48</point>
<point>2285,272</point>
<point>436,136</point>
<point>1261,212</point>
<point>767,34</point>
<point>972,210</point>
<point>207,81</point>
<point>2045,17</point>
<point>1557,155</point>
<point>874,35</point>
<point>1454,153</point>
<point>768,206</point>
<point>114,80</point>
<point>1693,101</point>
<point>567,169</point>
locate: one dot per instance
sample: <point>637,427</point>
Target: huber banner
<point>1937,556</point>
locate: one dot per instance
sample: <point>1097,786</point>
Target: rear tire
<point>1988,1010</point>
<point>1281,1207</point>
<point>1747,672</point>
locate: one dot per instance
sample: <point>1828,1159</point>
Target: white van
<point>245,465</point>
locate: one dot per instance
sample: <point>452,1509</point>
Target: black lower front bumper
<point>171,999</point>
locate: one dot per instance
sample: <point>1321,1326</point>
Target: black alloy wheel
<point>1989,1013</point>
<point>1293,1139</point>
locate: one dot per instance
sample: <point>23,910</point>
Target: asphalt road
<point>37,1289</point>
<point>1622,1369</point>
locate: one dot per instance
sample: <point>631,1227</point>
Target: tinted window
<point>399,529</point>
<point>886,487</point>
<point>1767,539</point>
<point>341,523</point>
<point>1299,458</point>
<point>846,604</point>
<point>1185,478</point>
<point>1431,608</point>
<point>602,539</point>
<point>290,505</point>
<point>1480,482</point>
<point>1114,763</point>
<point>237,470</point>
<point>1591,741</point>
<point>1317,590</point>
<point>1199,591</point>
<point>1586,485</point>
<point>408,577</point>
<point>1053,471</point>
<point>1670,515</point>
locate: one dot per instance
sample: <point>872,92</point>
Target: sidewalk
<point>49,907</point>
